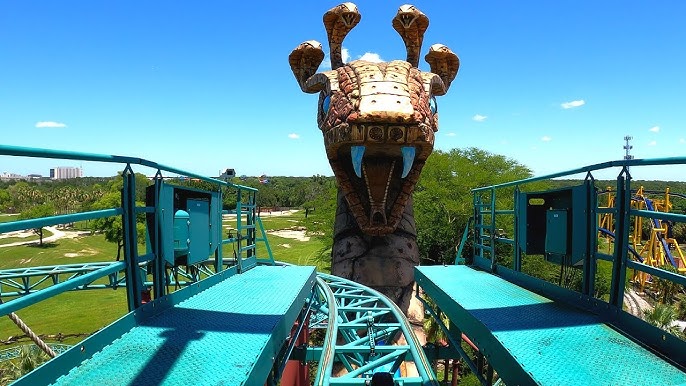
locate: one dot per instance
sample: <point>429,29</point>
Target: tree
<point>39,211</point>
<point>5,200</point>
<point>25,195</point>
<point>667,288</point>
<point>443,197</point>
<point>111,227</point>
<point>321,211</point>
<point>663,317</point>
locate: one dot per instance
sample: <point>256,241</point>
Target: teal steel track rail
<point>362,324</point>
<point>33,279</point>
<point>23,281</point>
<point>25,301</point>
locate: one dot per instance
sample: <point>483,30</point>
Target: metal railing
<point>31,285</point>
<point>504,254</point>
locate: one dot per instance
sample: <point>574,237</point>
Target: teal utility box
<point>556,233</point>
<point>181,233</point>
<point>555,223</point>
<point>188,223</point>
<point>198,230</point>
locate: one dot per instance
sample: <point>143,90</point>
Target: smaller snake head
<point>378,119</point>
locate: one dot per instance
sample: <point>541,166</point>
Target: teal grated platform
<point>228,334</point>
<point>530,339</point>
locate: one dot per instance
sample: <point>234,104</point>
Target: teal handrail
<point>20,151</point>
<point>54,220</point>
<point>586,169</point>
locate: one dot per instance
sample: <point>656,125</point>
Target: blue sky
<point>206,85</point>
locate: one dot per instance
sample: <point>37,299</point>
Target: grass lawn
<point>297,252</point>
<point>4,217</point>
<point>84,312</point>
<point>64,251</point>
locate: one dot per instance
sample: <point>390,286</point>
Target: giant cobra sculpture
<point>378,122</point>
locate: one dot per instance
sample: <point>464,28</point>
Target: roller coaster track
<point>359,337</point>
<point>368,333</point>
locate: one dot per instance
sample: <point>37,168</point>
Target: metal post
<point>480,364</point>
<point>589,268</point>
<point>250,221</point>
<point>133,280</point>
<point>219,253</point>
<point>159,276</point>
<point>621,238</point>
<point>239,230</point>
<point>627,147</point>
<point>494,260</point>
<point>517,257</point>
<point>478,221</point>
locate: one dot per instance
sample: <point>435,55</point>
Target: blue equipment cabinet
<point>198,230</point>
<point>189,223</point>
<point>556,234</point>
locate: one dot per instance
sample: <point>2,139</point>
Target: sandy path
<point>56,235</point>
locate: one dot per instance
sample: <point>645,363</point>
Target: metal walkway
<point>227,334</point>
<point>530,339</point>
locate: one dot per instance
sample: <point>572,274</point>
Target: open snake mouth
<point>377,179</point>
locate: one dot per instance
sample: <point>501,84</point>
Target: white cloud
<point>451,134</point>
<point>652,143</point>
<point>655,129</point>
<point>682,140</point>
<point>479,118</point>
<point>326,63</point>
<point>345,54</point>
<point>50,124</point>
<point>293,136</point>
<point>546,138</point>
<point>371,57</point>
<point>572,104</point>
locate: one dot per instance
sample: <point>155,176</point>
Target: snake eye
<point>433,105</point>
<point>326,103</point>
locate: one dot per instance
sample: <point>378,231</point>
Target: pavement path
<point>56,235</point>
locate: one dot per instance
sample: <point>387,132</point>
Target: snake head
<point>378,119</point>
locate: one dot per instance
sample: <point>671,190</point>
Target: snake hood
<point>378,119</point>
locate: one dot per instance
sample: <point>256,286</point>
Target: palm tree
<point>663,316</point>
<point>30,358</point>
<point>435,335</point>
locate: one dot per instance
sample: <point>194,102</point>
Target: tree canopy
<point>443,197</point>
<point>38,211</point>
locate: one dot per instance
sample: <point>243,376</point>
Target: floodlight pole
<point>627,147</point>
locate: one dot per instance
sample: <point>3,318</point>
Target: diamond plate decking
<point>227,334</point>
<point>552,344</point>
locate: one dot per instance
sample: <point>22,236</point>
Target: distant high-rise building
<point>7,176</point>
<point>65,172</point>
